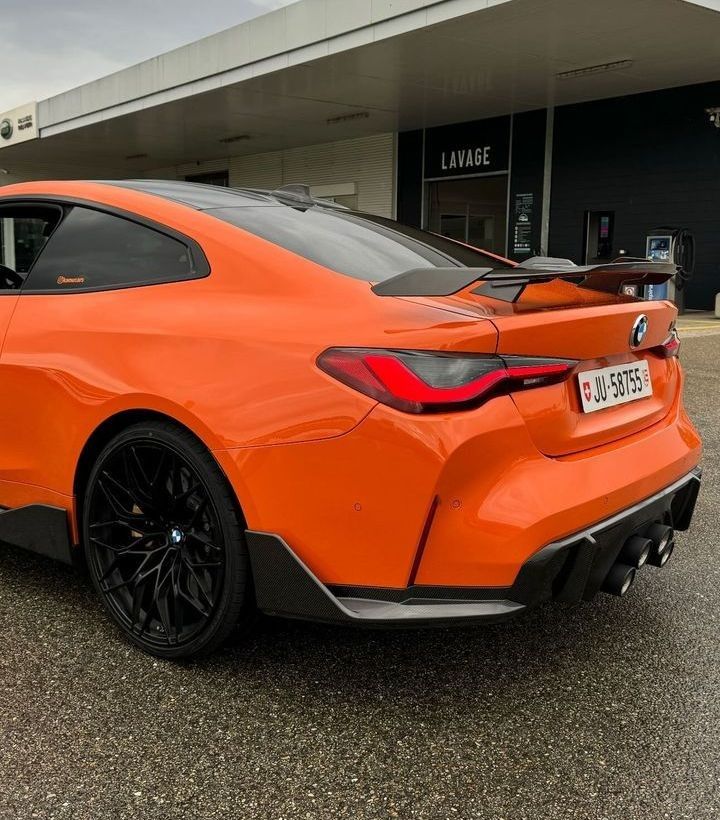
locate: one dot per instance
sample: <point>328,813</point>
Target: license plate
<point>610,386</point>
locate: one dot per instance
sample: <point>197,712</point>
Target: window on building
<point>470,210</point>
<point>93,249</point>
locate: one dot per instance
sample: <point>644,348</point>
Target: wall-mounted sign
<point>467,149</point>
<point>523,218</point>
<point>18,125</point>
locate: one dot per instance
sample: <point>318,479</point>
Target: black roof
<point>204,197</point>
<point>196,194</point>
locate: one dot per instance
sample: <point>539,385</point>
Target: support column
<point>547,180</point>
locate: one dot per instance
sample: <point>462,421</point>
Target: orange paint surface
<point>346,481</point>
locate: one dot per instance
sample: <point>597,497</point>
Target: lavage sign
<point>481,147</point>
<point>466,158</point>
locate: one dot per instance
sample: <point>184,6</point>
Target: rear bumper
<point>459,499</point>
<point>570,570</point>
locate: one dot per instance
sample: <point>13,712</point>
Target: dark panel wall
<point>654,160</point>
<point>526,179</point>
<point>409,183</point>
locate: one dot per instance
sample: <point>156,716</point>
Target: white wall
<point>368,162</point>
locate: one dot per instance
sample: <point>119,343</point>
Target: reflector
<point>670,348</point>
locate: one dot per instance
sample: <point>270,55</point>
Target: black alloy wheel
<point>164,541</point>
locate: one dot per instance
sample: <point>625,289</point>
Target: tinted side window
<point>358,245</point>
<point>91,249</point>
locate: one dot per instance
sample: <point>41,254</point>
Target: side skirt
<point>38,528</point>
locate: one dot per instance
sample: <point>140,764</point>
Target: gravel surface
<point>606,710</point>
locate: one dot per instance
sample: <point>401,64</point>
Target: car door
<point>72,344</point>
<point>25,227</point>
<point>24,230</point>
<point>9,291</point>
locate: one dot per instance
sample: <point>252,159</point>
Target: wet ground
<point>606,710</point>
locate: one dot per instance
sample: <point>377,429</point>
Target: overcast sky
<point>49,46</point>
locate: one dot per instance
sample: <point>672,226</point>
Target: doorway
<point>473,211</point>
<point>599,237</point>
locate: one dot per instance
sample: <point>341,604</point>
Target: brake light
<point>422,382</point>
<point>670,348</point>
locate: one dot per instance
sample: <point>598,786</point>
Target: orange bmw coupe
<point>222,400</point>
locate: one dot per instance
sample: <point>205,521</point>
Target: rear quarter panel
<point>230,356</point>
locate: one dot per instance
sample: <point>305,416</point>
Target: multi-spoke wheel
<point>164,541</point>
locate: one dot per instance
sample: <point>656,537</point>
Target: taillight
<point>423,382</point>
<point>670,348</point>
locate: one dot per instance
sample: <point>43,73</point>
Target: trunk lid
<point>554,318</point>
<point>597,336</point>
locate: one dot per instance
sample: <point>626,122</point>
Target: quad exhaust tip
<point>663,539</point>
<point>653,548</point>
<point>636,552</point>
<point>663,557</point>
<point>620,579</point>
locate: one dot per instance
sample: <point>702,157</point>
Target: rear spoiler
<point>513,281</point>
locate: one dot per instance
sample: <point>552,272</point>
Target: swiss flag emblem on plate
<point>587,390</point>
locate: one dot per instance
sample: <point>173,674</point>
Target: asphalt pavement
<point>601,711</point>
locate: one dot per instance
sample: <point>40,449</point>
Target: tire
<point>164,541</point>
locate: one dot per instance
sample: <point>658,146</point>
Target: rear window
<point>359,245</point>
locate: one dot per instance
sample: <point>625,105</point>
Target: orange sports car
<point>223,400</point>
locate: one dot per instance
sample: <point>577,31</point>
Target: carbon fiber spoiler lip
<point>449,281</point>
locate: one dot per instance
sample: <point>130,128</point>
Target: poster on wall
<point>523,224</point>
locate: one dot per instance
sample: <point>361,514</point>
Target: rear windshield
<point>359,245</point>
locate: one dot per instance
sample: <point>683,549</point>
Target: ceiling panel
<point>493,61</point>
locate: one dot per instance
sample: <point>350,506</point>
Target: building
<point>567,127</point>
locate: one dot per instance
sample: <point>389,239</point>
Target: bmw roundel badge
<point>639,331</point>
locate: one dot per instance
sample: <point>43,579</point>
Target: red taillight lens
<point>422,382</point>
<point>670,348</point>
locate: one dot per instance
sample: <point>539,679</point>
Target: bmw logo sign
<point>6,129</point>
<point>639,331</point>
